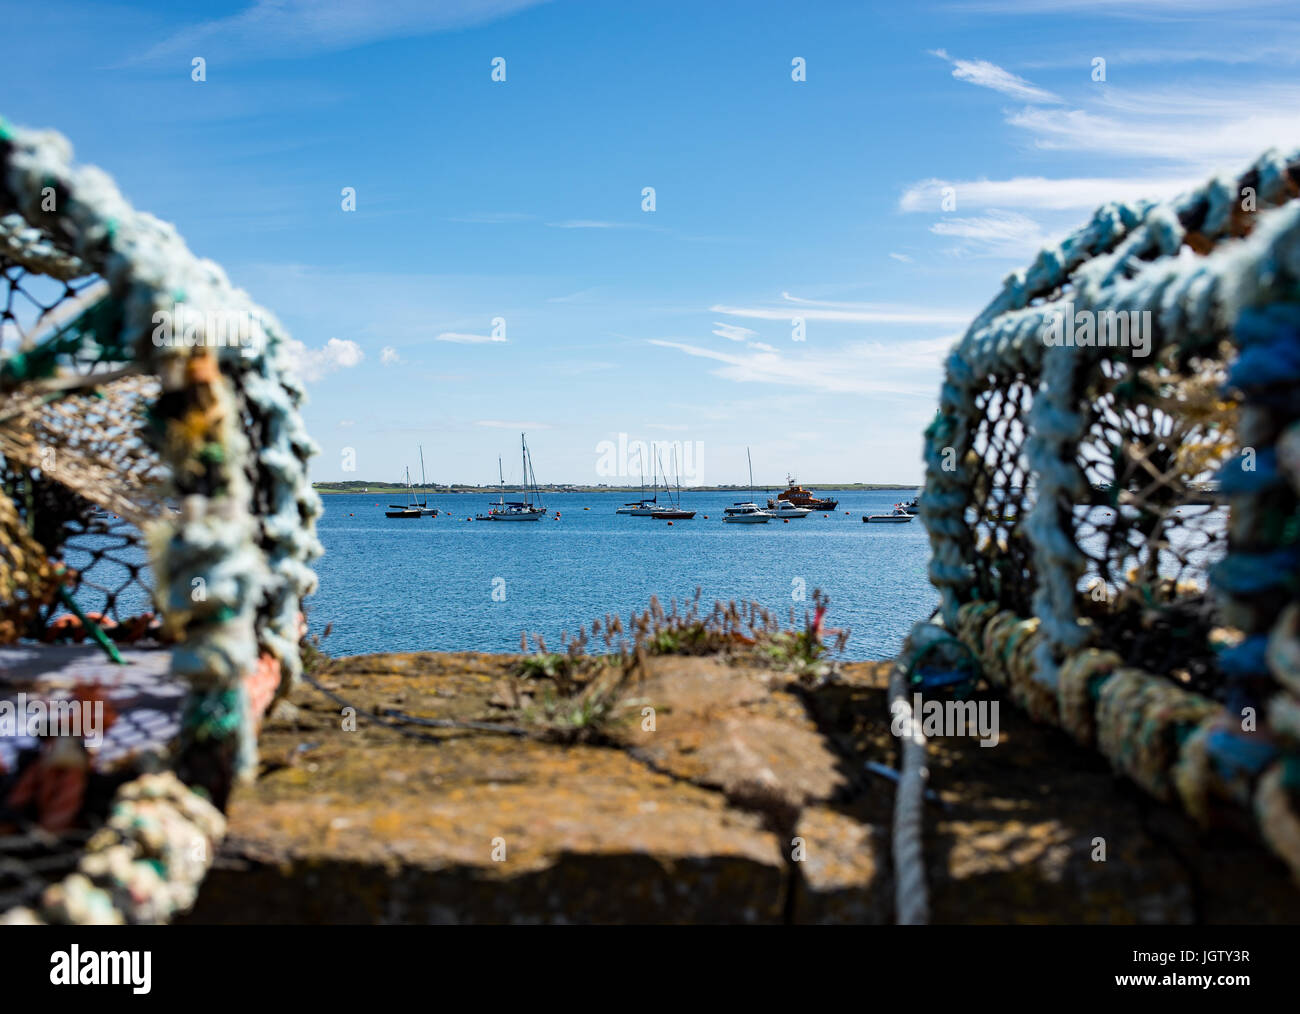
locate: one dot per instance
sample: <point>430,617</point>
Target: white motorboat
<point>746,514</point>
<point>898,516</point>
<point>785,510</point>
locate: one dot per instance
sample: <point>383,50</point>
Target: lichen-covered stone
<point>748,802</point>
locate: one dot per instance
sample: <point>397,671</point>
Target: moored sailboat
<point>674,511</point>
<point>530,508</point>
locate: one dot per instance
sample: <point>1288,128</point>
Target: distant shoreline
<point>334,487</point>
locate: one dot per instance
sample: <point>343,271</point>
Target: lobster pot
<point>156,529</point>
<point>1111,494</point>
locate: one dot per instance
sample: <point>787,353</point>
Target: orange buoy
<point>825,515</point>
<point>846,512</point>
<point>706,517</point>
<point>670,524</point>
<point>785,521</point>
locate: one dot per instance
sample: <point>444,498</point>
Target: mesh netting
<point>1116,521</point>
<point>156,529</point>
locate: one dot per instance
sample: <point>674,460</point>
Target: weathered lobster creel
<point>155,506</point>
<point>1111,494</point>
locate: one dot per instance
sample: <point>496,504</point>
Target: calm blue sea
<point>427,584</point>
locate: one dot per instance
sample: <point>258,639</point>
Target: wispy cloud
<point>1135,9</point>
<point>290,28</point>
<point>1202,130</point>
<point>997,234</point>
<point>733,332</point>
<point>389,356</point>
<point>990,75</point>
<point>510,424</point>
<point>595,223</point>
<point>581,296</point>
<point>1066,194</point>
<point>467,339</point>
<point>865,313</point>
<point>903,258</point>
<point>909,369</point>
<point>493,217</point>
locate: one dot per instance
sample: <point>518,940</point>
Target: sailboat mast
<point>423,480</point>
<point>523,461</point>
<point>751,473</point>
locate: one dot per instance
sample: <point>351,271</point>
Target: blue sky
<point>522,199</point>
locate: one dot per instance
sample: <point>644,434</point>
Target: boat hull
<point>673,515</point>
<point>887,519</point>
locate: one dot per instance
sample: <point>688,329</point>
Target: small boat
<point>800,497</point>
<point>747,512</point>
<point>898,516</point>
<point>786,510</point>
<point>413,508</point>
<point>674,511</point>
<point>530,508</point>
<point>646,506</point>
<point>410,509</point>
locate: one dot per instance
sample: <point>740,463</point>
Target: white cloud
<point>869,313</point>
<point>389,356</point>
<point>492,217</point>
<point>507,424</point>
<point>466,339</point>
<point>280,28</point>
<point>990,75</point>
<point>1067,194</point>
<point>997,234</point>
<point>1204,131</point>
<point>582,296</point>
<point>901,257</point>
<point>591,223</point>
<point>312,364</point>
<point>733,332</point>
<point>346,423</point>
<point>905,368</point>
